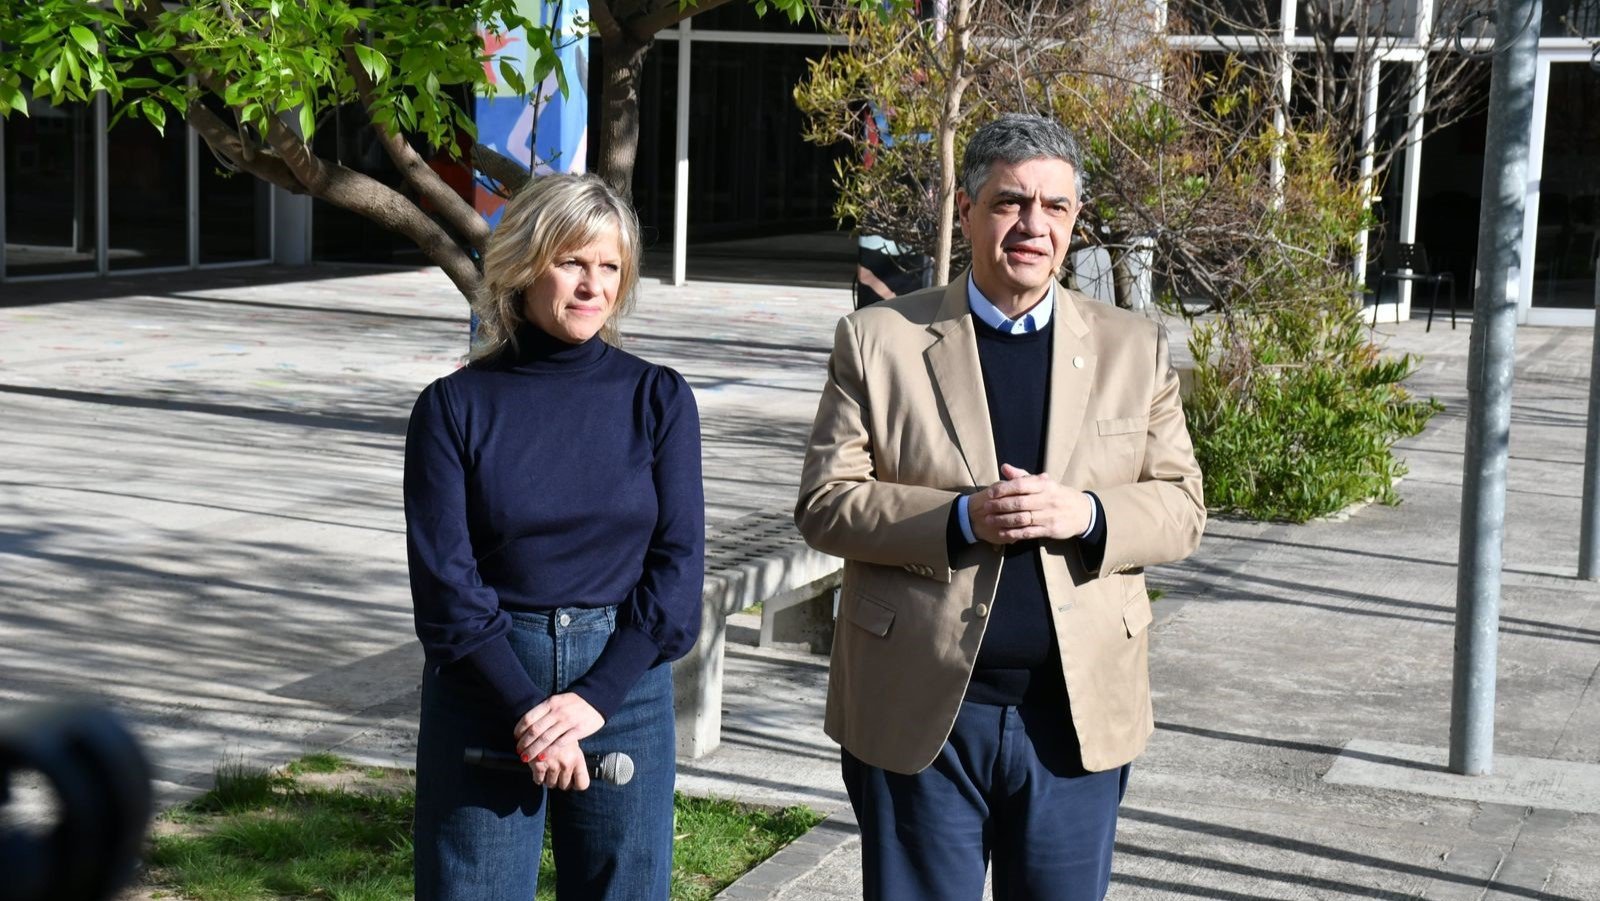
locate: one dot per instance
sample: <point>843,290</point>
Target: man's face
<point>1019,225</point>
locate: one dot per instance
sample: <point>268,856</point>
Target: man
<point>996,461</point>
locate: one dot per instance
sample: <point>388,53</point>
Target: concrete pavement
<point>200,525</point>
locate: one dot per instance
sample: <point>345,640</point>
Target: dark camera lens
<point>74,804</point>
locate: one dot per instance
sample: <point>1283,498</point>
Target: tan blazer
<point>903,429</point>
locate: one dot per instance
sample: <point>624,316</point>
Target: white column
<point>291,228</point>
<point>291,220</point>
<point>1280,116</point>
<point>1424,23</point>
<point>1413,175</point>
<point>1522,290</point>
<point>1369,135</point>
<point>680,181</point>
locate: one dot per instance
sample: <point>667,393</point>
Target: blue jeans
<point>479,832</point>
<point>1007,786</point>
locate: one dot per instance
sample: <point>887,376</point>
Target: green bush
<point>1306,436</point>
<point>1294,411</point>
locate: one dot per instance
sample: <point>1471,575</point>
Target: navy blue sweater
<point>1018,660</point>
<point>555,475</point>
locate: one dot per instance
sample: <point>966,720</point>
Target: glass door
<point>1567,239</point>
<point>50,209</point>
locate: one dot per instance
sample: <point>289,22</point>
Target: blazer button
<point>982,610</point>
<point>1077,362</point>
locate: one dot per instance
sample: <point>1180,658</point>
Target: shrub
<point>1294,411</point>
<point>1306,434</point>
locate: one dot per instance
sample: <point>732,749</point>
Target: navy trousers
<point>1009,787</point>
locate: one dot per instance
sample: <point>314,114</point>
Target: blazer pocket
<point>869,614</point>
<point>1136,615</point>
<point>1123,426</point>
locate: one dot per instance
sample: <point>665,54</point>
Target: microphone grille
<point>616,768</point>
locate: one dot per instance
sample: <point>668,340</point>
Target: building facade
<point>721,159</point>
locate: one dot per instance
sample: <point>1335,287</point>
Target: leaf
<point>12,98</point>
<point>512,78</point>
<point>86,40</point>
<point>156,113</point>
<point>376,66</point>
<point>58,75</point>
<point>561,78</point>
<point>308,121</point>
<point>40,34</point>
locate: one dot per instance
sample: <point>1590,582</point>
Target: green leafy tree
<point>256,78</point>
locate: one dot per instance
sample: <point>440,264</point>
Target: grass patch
<point>320,762</point>
<point>718,841</point>
<point>1155,594</point>
<point>325,828</point>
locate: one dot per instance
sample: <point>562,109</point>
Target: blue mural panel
<point>547,132</point>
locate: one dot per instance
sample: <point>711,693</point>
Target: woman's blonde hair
<point>553,215</point>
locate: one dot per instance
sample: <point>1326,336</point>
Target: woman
<point>555,531</point>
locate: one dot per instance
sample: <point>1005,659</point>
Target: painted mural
<point>547,132</point>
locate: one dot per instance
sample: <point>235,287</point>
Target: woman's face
<point>573,298</point>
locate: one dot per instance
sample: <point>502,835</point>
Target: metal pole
<point>1589,531</point>
<point>1490,369</point>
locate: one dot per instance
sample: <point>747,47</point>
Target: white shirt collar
<point>1031,321</point>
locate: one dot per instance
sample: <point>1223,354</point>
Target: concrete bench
<point>759,558</point>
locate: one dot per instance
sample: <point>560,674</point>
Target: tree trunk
<point>949,117</point>
<point>623,60</point>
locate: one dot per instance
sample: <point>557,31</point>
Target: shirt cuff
<point>1094,514</point>
<point>964,519</point>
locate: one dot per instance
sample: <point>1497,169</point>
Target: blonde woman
<point>555,528</point>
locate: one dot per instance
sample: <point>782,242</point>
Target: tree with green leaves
<point>256,78</point>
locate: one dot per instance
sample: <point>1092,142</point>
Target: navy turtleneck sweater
<point>555,475</point>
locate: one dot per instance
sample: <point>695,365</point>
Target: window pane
<point>49,195</point>
<point>1571,18</point>
<point>1225,17</point>
<point>149,194</point>
<point>1569,191</point>
<point>234,206</point>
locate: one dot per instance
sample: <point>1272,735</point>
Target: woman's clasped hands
<point>547,740</point>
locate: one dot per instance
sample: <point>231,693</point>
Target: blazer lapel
<point>1071,375</point>
<point>958,379</point>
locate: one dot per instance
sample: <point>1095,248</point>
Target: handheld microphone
<point>615,767</point>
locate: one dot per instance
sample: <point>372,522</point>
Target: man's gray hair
<point>1017,138</point>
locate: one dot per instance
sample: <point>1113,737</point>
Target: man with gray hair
<point>997,461</point>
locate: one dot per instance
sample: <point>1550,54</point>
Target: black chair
<point>1409,263</point>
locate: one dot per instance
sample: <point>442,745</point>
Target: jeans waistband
<point>565,619</point>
